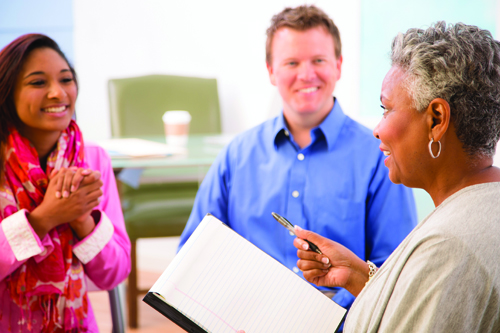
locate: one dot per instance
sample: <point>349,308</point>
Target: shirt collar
<point>329,128</point>
<point>280,130</point>
<point>332,125</point>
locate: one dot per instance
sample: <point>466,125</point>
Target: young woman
<point>61,219</point>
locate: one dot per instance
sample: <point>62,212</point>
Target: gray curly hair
<point>461,64</point>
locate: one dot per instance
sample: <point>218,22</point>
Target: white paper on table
<point>137,148</point>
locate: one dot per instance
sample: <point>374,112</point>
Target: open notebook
<point>220,282</point>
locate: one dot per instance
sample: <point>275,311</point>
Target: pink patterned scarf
<point>56,284</point>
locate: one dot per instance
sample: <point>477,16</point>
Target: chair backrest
<point>138,103</point>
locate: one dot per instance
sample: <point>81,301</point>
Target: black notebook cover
<point>171,313</point>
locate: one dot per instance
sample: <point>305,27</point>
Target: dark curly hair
<point>461,64</point>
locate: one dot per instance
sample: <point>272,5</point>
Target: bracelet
<point>373,270</point>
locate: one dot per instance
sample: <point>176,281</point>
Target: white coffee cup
<point>176,127</point>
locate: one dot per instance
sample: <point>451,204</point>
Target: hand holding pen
<point>284,222</point>
<point>336,267</point>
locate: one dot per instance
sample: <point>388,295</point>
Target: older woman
<point>60,215</point>
<point>440,127</point>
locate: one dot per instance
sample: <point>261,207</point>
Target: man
<point>312,164</point>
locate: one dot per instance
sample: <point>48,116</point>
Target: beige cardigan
<point>444,277</point>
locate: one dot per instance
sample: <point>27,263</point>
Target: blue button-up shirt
<point>337,186</point>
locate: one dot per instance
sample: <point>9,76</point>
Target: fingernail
<point>73,188</point>
<point>65,194</point>
<point>297,227</point>
<point>305,246</point>
<point>325,260</point>
<point>325,270</point>
<point>58,194</point>
<point>86,172</point>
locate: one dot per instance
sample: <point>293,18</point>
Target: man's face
<point>305,70</point>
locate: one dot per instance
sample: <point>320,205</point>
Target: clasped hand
<point>336,267</point>
<point>72,194</point>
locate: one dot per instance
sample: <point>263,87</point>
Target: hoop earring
<point>430,148</point>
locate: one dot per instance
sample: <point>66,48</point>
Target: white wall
<point>224,39</point>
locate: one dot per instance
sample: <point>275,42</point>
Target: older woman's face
<point>402,131</point>
<point>45,93</point>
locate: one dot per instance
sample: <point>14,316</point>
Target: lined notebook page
<point>224,283</point>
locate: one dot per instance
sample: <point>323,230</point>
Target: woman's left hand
<point>69,180</point>
<point>83,225</point>
<point>72,180</point>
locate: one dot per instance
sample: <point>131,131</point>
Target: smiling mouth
<point>55,109</point>
<point>386,153</point>
<point>308,90</point>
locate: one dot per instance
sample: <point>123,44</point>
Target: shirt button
<point>295,194</point>
<point>295,269</point>
<point>300,157</point>
<point>286,133</point>
<point>291,233</point>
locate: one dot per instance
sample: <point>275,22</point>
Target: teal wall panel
<point>381,20</point>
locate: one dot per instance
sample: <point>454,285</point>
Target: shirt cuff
<point>90,246</point>
<point>21,236</point>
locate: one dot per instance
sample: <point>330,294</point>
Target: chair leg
<point>117,315</point>
<point>132,290</point>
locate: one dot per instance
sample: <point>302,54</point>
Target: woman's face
<point>402,132</point>
<point>45,94</point>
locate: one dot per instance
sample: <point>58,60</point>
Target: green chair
<point>137,104</point>
<point>159,208</point>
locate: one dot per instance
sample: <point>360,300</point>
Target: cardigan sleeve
<point>19,242</point>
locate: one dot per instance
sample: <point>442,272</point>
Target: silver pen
<point>284,222</point>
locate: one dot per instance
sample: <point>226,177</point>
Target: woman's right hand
<point>336,267</point>
<point>54,210</point>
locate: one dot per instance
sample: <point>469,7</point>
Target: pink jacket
<point>105,253</point>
